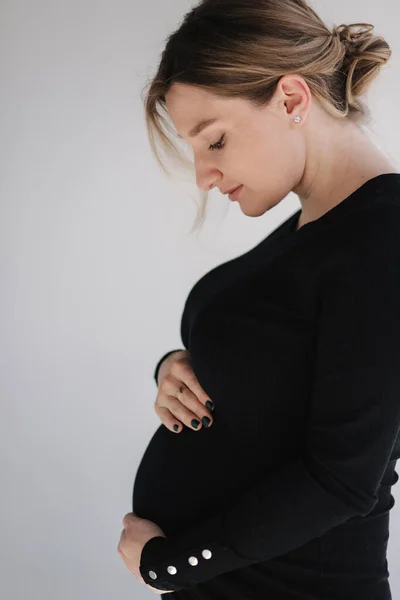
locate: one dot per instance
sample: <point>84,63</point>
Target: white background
<point>95,264</point>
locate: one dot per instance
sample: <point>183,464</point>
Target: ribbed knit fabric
<point>287,495</point>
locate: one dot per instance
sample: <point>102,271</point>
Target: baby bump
<point>182,476</point>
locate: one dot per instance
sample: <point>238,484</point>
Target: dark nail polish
<point>210,405</point>
<point>206,421</point>
<point>195,423</point>
<point>176,427</point>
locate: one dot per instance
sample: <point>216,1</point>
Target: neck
<point>335,168</point>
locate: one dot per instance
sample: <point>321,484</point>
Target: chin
<point>254,211</point>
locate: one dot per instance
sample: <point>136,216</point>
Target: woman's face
<point>260,149</point>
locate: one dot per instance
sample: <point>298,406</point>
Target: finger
<point>186,410</point>
<point>178,389</point>
<point>183,371</point>
<point>181,403</point>
<point>128,519</point>
<point>169,420</point>
<point>185,394</point>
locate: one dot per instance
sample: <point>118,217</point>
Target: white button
<point>172,570</point>
<point>207,554</point>
<point>153,575</point>
<point>193,560</point>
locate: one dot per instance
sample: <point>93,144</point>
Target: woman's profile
<point>281,488</point>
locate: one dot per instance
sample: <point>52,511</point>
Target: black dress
<point>287,495</point>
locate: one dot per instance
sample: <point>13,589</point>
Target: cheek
<point>247,161</point>
<point>263,164</point>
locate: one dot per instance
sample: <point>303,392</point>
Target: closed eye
<point>218,145</point>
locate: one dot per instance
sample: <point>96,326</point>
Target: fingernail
<point>195,423</point>
<point>206,421</point>
<point>210,405</point>
<point>176,427</point>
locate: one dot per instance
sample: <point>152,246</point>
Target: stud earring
<point>297,119</point>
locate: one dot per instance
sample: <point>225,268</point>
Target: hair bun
<point>351,38</point>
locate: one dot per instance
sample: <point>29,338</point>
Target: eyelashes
<point>218,145</point>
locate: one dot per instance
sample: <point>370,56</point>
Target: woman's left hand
<point>137,532</point>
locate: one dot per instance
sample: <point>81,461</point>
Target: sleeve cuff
<point>191,557</point>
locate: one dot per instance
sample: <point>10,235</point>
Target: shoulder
<point>365,247</point>
<point>369,229</point>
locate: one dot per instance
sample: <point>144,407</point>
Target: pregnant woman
<point>270,475</point>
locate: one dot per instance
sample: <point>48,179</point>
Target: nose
<point>206,177</point>
<point>207,182</point>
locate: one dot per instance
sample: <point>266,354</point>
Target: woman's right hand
<point>180,408</point>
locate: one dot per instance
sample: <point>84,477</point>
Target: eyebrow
<point>199,127</point>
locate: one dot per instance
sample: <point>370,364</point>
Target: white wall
<point>95,265</point>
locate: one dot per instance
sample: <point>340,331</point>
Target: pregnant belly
<point>186,476</point>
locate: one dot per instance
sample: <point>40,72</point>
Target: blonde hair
<point>242,48</point>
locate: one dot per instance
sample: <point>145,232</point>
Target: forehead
<point>182,94</point>
<point>192,108</point>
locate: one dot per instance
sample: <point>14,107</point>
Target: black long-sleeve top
<point>297,344</point>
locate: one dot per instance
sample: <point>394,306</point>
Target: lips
<point>236,193</point>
